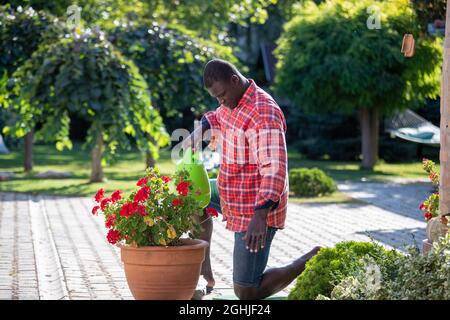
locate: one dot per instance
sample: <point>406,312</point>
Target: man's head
<point>224,82</point>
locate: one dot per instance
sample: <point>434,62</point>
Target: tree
<point>428,11</point>
<point>330,60</point>
<point>84,74</point>
<point>21,31</point>
<point>172,64</point>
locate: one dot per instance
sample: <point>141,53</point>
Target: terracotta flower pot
<point>164,273</point>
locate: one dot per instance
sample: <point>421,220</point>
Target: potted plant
<point>436,222</point>
<point>155,228</point>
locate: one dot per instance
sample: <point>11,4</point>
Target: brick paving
<point>53,248</point>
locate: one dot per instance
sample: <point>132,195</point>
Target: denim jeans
<point>248,267</point>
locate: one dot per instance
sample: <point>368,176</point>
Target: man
<point>252,186</point>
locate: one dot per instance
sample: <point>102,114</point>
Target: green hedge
<point>310,182</point>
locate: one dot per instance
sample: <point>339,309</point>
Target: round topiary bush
<point>310,182</point>
<point>331,265</point>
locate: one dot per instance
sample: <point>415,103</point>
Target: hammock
<point>408,125</point>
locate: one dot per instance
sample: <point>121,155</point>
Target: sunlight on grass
<point>124,173</point>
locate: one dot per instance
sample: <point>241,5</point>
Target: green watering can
<point>197,175</point>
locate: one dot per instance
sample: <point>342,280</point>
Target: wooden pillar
<point>444,186</point>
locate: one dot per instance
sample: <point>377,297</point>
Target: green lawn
<point>124,173</point>
<point>350,171</point>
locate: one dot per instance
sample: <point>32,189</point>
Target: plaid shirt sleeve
<point>211,117</point>
<point>268,147</point>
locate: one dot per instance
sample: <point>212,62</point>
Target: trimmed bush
<point>331,265</point>
<point>310,182</point>
<point>414,276</point>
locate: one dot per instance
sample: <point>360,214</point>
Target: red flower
<point>99,195</point>
<point>104,203</point>
<point>165,179</point>
<point>116,195</point>
<point>127,209</point>
<point>110,221</point>
<point>428,215</point>
<point>94,209</point>
<point>139,208</point>
<point>177,202</point>
<point>131,208</point>
<point>183,188</point>
<point>212,212</point>
<point>142,194</point>
<point>142,181</point>
<point>113,236</point>
<point>422,206</point>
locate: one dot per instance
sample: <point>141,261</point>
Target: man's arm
<point>207,122</point>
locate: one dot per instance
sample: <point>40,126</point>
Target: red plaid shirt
<point>253,165</point>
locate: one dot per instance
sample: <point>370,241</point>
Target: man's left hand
<point>257,230</point>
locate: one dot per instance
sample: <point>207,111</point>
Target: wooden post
<point>444,185</point>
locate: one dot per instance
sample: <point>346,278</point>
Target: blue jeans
<point>248,267</point>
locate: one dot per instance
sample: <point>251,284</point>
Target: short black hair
<point>218,70</point>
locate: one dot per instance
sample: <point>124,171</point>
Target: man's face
<point>228,93</point>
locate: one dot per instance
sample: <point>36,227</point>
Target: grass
<point>351,171</point>
<point>124,173</point>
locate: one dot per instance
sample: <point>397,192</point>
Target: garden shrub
<point>310,182</point>
<point>411,277</point>
<point>398,150</point>
<point>345,149</point>
<point>331,265</point>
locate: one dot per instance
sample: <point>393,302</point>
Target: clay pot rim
<point>188,244</point>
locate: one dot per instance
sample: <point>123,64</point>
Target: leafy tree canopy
<point>172,64</point>
<point>329,60</point>
<point>83,74</point>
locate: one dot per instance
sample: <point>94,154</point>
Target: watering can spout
<point>198,176</point>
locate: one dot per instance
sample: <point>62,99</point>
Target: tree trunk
<point>149,160</point>
<point>444,186</point>
<point>28,156</point>
<point>369,137</point>
<point>96,166</point>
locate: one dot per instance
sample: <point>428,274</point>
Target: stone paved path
<point>53,248</point>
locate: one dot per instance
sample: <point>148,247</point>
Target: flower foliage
<point>159,212</point>
<point>430,207</point>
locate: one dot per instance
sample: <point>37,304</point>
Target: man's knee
<point>245,293</point>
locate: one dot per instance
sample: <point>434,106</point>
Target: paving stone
<point>90,268</point>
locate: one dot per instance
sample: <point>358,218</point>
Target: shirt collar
<point>248,94</point>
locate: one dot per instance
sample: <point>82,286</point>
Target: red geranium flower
<point>428,215</point>
<point>139,208</point>
<point>183,188</point>
<point>177,202</point>
<point>95,209</point>
<point>104,203</point>
<point>127,209</point>
<point>142,181</point>
<point>165,179</point>
<point>142,194</point>
<point>422,206</point>
<point>212,212</point>
<point>110,221</point>
<point>99,195</point>
<point>116,195</point>
<point>113,236</point>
